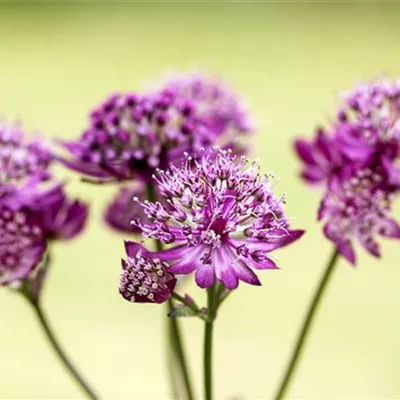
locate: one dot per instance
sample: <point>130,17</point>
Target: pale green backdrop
<point>289,61</point>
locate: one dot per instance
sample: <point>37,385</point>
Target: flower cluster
<point>130,135</point>
<point>22,163</point>
<point>34,207</point>
<point>358,161</point>
<point>219,218</point>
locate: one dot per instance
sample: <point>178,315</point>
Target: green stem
<point>60,352</point>
<point>208,339</point>
<point>308,320</point>
<point>174,331</point>
<point>175,338</point>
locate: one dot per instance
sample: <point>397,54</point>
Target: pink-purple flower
<point>358,161</point>
<point>219,218</point>
<point>34,206</point>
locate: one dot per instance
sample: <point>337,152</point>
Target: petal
<point>132,248</point>
<point>188,261</point>
<point>282,239</point>
<point>305,151</point>
<point>224,269</point>
<point>345,248</point>
<point>390,229</point>
<point>245,274</point>
<point>205,275</point>
<point>268,263</point>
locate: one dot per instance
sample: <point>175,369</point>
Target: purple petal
<point>187,262</point>
<point>132,248</point>
<point>345,248</point>
<point>205,275</point>
<point>245,274</point>
<point>224,269</point>
<point>390,229</point>
<point>305,151</point>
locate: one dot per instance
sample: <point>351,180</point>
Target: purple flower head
<point>358,209</point>
<point>369,128</point>
<point>130,135</point>
<point>22,162</point>
<point>123,209</point>
<point>212,102</point>
<point>220,218</point>
<point>22,243</point>
<point>321,157</point>
<point>145,279</point>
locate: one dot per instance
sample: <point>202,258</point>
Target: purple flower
<point>22,243</point>
<point>130,135</point>
<point>145,279</point>
<point>123,209</point>
<point>22,162</point>
<point>369,128</point>
<point>220,219</point>
<point>358,209</point>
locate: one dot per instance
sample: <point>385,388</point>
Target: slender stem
<point>174,331</point>
<point>60,352</point>
<point>208,338</point>
<point>175,338</point>
<point>308,320</point>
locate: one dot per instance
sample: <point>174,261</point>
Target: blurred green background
<point>289,61</point>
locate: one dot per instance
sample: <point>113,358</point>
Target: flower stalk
<point>54,343</point>
<point>307,323</point>
<point>208,343</point>
<point>174,335</point>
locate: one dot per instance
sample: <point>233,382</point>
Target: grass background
<point>289,61</point>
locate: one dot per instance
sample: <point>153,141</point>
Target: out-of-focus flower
<point>145,279</point>
<point>131,135</point>
<point>369,128</point>
<point>220,219</point>
<point>358,209</point>
<point>359,163</point>
<point>123,209</point>
<point>22,243</point>
<point>22,162</point>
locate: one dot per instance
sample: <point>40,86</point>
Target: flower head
<point>220,219</point>
<point>358,209</point>
<point>130,135</point>
<point>22,162</point>
<point>359,161</point>
<point>22,243</point>
<point>145,279</point>
<point>369,128</point>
